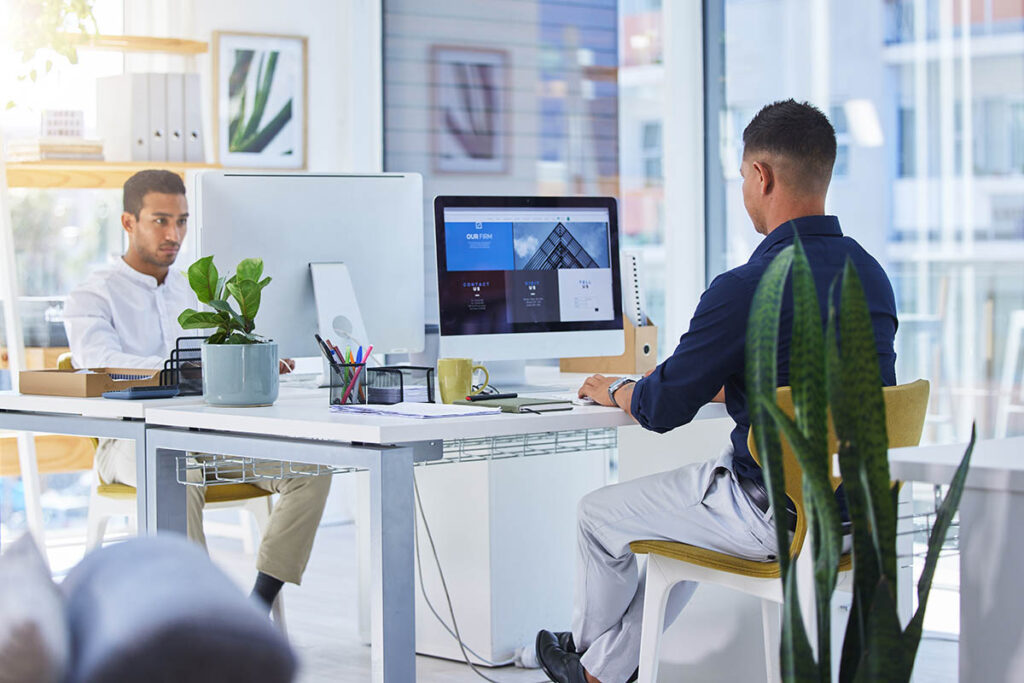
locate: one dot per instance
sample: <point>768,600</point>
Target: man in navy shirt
<point>788,154</point>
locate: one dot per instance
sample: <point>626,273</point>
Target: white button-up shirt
<point>121,318</point>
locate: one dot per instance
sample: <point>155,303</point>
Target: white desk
<point>304,430</point>
<point>991,549</point>
<point>97,417</point>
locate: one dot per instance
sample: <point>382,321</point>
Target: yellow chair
<point>118,500</point>
<point>671,563</point>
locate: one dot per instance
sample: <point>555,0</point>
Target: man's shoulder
<point>98,280</point>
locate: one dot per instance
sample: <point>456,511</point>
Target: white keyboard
<point>566,396</point>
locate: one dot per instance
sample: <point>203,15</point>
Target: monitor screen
<point>527,264</point>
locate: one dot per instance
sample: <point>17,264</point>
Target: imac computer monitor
<point>528,277</point>
<point>373,223</point>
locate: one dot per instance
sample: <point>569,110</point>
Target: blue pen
<point>359,355</point>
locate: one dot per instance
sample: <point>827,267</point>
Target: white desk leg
<point>142,487</point>
<point>32,486</point>
<point>991,600</point>
<point>393,599</point>
<point>165,497</point>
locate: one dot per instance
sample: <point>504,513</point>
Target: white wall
<point>344,99</point>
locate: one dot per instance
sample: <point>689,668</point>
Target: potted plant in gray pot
<point>240,368</point>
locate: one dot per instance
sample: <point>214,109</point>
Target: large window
<point>945,219</point>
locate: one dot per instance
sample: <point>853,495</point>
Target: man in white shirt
<point>126,315</point>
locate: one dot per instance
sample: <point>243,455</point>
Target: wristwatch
<point>616,385</point>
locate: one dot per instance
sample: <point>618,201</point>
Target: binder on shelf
<point>157,117</point>
<point>193,113</point>
<point>175,99</point>
<point>122,116</point>
<point>641,354</point>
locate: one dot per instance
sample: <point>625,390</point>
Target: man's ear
<point>128,222</point>
<point>765,176</point>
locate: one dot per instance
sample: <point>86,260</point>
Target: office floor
<point>322,622</point>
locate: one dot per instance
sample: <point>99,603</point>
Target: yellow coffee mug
<point>455,377</point>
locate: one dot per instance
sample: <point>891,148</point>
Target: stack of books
<point>54,149</point>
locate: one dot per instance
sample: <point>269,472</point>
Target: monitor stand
<point>510,375</point>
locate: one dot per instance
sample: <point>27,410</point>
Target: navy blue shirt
<point>711,354</point>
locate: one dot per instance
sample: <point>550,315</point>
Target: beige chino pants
<point>288,541</point>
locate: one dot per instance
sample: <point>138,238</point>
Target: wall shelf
<point>86,175</point>
<point>140,44</point>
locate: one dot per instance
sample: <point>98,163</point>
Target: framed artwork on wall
<point>259,100</point>
<point>470,103</point>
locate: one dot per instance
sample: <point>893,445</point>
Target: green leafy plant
<point>244,132</point>
<point>836,369</point>
<point>215,290</point>
<point>57,25</point>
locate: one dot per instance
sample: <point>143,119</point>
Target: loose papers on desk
<point>421,411</point>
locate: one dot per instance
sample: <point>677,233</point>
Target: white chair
<point>669,563</point>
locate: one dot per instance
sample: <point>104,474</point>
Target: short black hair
<point>144,182</point>
<point>799,132</point>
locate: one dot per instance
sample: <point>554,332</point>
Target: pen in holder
<point>348,383</point>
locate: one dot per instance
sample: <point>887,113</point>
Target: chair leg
<point>656,593</point>
<point>771,625</point>
<point>96,523</point>
<point>277,611</point>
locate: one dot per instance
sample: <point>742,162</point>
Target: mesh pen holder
<point>348,383</point>
<point>398,383</point>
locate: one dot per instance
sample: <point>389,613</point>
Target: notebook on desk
<point>522,404</point>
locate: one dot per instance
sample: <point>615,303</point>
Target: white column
<point>683,163</point>
<point>820,57</point>
<point>15,343</point>
<point>366,86</point>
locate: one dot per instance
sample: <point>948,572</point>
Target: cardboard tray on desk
<point>53,382</point>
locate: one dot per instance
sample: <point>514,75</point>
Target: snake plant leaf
<point>810,402</point>
<point>864,555</point>
<point>884,658</point>
<point>203,278</point>
<point>943,520</point>
<point>865,427</point>
<point>249,269</point>
<point>247,294</point>
<point>796,656</point>
<point>761,357</point>
<point>190,319</point>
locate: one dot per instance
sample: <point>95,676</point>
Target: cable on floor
<point>444,584</point>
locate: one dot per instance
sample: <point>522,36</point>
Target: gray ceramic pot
<point>240,374</point>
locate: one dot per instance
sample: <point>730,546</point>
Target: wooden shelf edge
<point>140,44</point>
<point>82,175</point>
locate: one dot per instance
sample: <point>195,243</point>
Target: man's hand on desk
<point>596,388</point>
<point>285,365</point>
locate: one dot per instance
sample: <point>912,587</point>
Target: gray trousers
<point>288,541</point>
<point>700,504</point>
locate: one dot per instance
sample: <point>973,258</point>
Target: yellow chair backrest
<point>905,409</point>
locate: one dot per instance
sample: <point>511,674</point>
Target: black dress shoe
<point>565,641</point>
<point>559,664</point>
